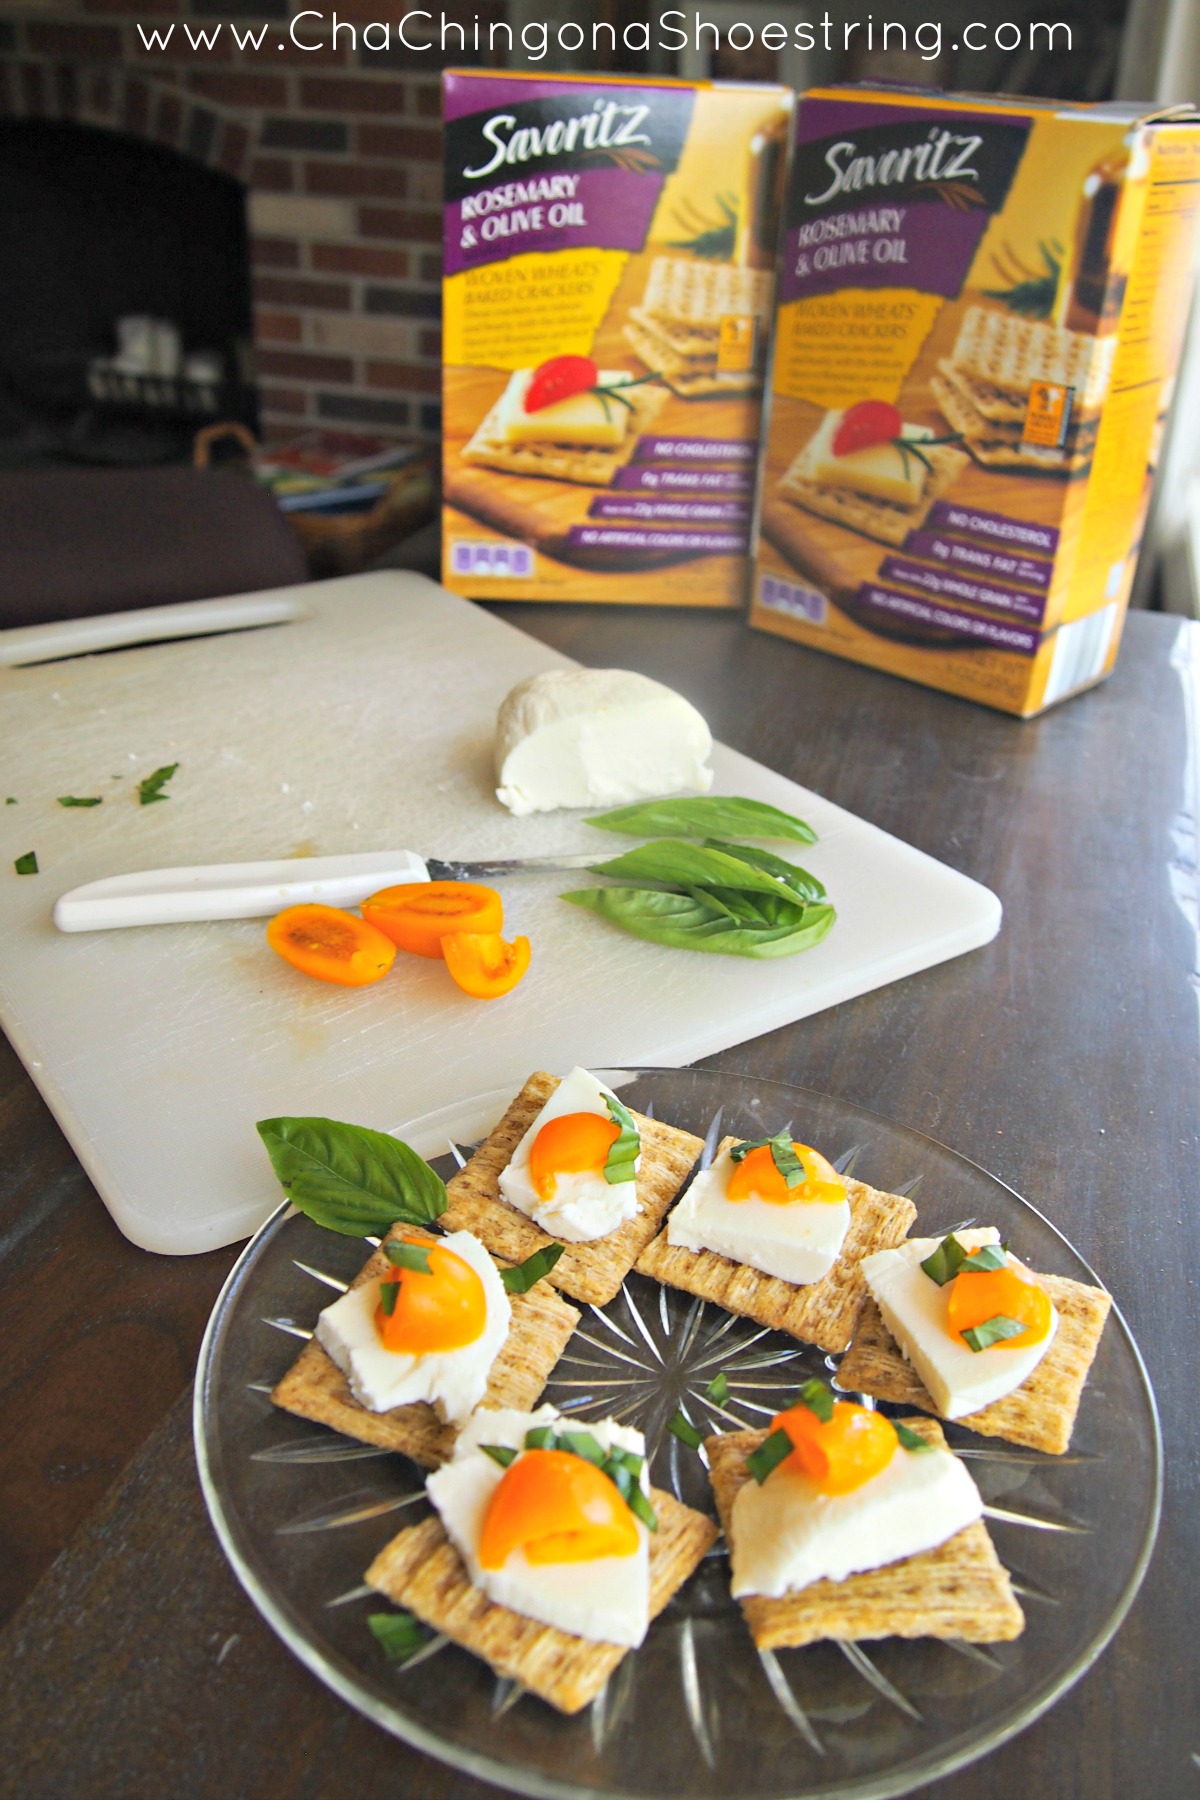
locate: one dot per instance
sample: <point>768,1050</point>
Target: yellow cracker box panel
<point>980,307</point>
<point>609,286</point>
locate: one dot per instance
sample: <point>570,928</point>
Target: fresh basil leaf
<point>408,1256</point>
<point>625,1148</point>
<point>798,879</point>
<point>989,1256</point>
<point>683,865</point>
<point>910,1440</point>
<point>74,800</point>
<point>692,922</point>
<point>582,1443</point>
<point>151,788</point>
<point>398,1634</point>
<point>992,1331</point>
<point>27,864</point>
<point>541,1437</point>
<point>389,1293</point>
<point>520,1279</point>
<point>503,1454</point>
<point>723,814</point>
<point>718,1388</point>
<point>349,1178</point>
<point>639,1505</point>
<point>685,1431</point>
<point>770,1453</point>
<point>818,1398</point>
<point>945,1262</point>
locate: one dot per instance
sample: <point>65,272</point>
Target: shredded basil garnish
<point>525,1275</point>
<point>951,1256</point>
<point>398,1634</point>
<point>408,1256</point>
<point>503,1454</point>
<point>718,1388</point>
<point>151,788</point>
<point>626,1146</point>
<point>685,1431</point>
<point>389,1293</point>
<point>74,800</point>
<point>910,1440</point>
<point>782,1155</point>
<point>992,1331</point>
<point>27,864</point>
<point>770,1453</point>
<point>818,1398</point>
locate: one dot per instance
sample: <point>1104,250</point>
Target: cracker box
<point>981,306</point>
<point>609,274</point>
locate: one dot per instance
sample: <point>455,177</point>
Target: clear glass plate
<point>696,1712</point>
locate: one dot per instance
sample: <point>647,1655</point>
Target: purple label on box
<point>1018,534</point>
<point>964,588</point>
<point>688,450</point>
<point>687,512</point>
<point>556,211</point>
<point>686,481</point>
<point>685,543</point>
<point>999,565</point>
<point>987,631</point>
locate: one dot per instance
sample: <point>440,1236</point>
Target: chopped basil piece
<point>526,1274</point>
<point>910,1440</point>
<point>398,1634</point>
<point>628,1459</point>
<point>151,788</point>
<point>818,1398</point>
<point>74,800</point>
<point>389,1293</point>
<point>11,801</point>
<point>725,814</point>
<point>582,1443</point>
<point>350,1179</point>
<point>989,1256</point>
<point>782,1155</point>
<point>625,1147</point>
<point>770,1453</point>
<point>685,1431</point>
<point>992,1331</point>
<point>945,1262</point>
<point>641,1508</point>
<point>409,1256</point>
<point>541,1437</point>
<point>503,1454</point>
<point>718,1388</point>
<point>27,864</point>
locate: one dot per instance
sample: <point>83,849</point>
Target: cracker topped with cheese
<point>585,436</point>
<point>870,470</point>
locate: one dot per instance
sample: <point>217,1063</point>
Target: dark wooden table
<point>1063,1057</point>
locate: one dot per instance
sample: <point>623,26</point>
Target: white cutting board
<point>365,723</point>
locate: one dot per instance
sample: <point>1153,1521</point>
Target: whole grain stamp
<point>979,311</point>
<point>609,254</point>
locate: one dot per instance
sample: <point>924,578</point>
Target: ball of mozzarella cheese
<point>597,737</point>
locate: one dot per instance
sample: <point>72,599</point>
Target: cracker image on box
<point>893,1547</point>
<point>1002,1381</point>
<point>350,1378</point>
<point>609,256</point>
<point>979,310</point>
<point>549,1554</point>
<point>790,1262</point>
<point>703,326</point>
<point>592,1269</point>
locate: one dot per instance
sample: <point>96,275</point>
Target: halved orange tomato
<point>417,915</point>
<point>482,963</point>
<point>331,945</point>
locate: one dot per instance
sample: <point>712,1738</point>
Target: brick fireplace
<point>339,151</point>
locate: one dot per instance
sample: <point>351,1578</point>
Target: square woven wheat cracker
<point>823,1313</point>
<point>1003,419</point>
<point>691,377</point>
<point>1039,1414</point>
<point>1008,352</point>
<point>690,345</point>
<point>990,446</point>
<point>592,1272</point>
<point>590,467</point>
<point>879,519</point>
<point>421,1570</point>
<point>680,292</point>
<point>959,1590</point>
<point>315,1388</point>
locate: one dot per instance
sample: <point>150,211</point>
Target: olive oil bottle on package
<point>609,285</point>
<point>981,307</point>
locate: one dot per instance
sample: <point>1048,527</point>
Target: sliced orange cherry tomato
<point>557,1508</point>
<point>442,1310</point>
<point>570,1145</point>
<point>483,964</point>
<point>757,1177</point>
<point>418,914</point>
<point>840,1453</point>
<point>978,1295</point>
<point>331,944</point>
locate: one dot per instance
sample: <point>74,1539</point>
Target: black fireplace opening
<point>125,300</point>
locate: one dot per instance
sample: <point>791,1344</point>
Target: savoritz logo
<point>941,157</point>
<point>608,127</point>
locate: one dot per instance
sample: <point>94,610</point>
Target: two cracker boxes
<point>609,275</point>
<point>981,307</point>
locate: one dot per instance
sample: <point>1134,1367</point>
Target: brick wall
<point>340,151</point>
